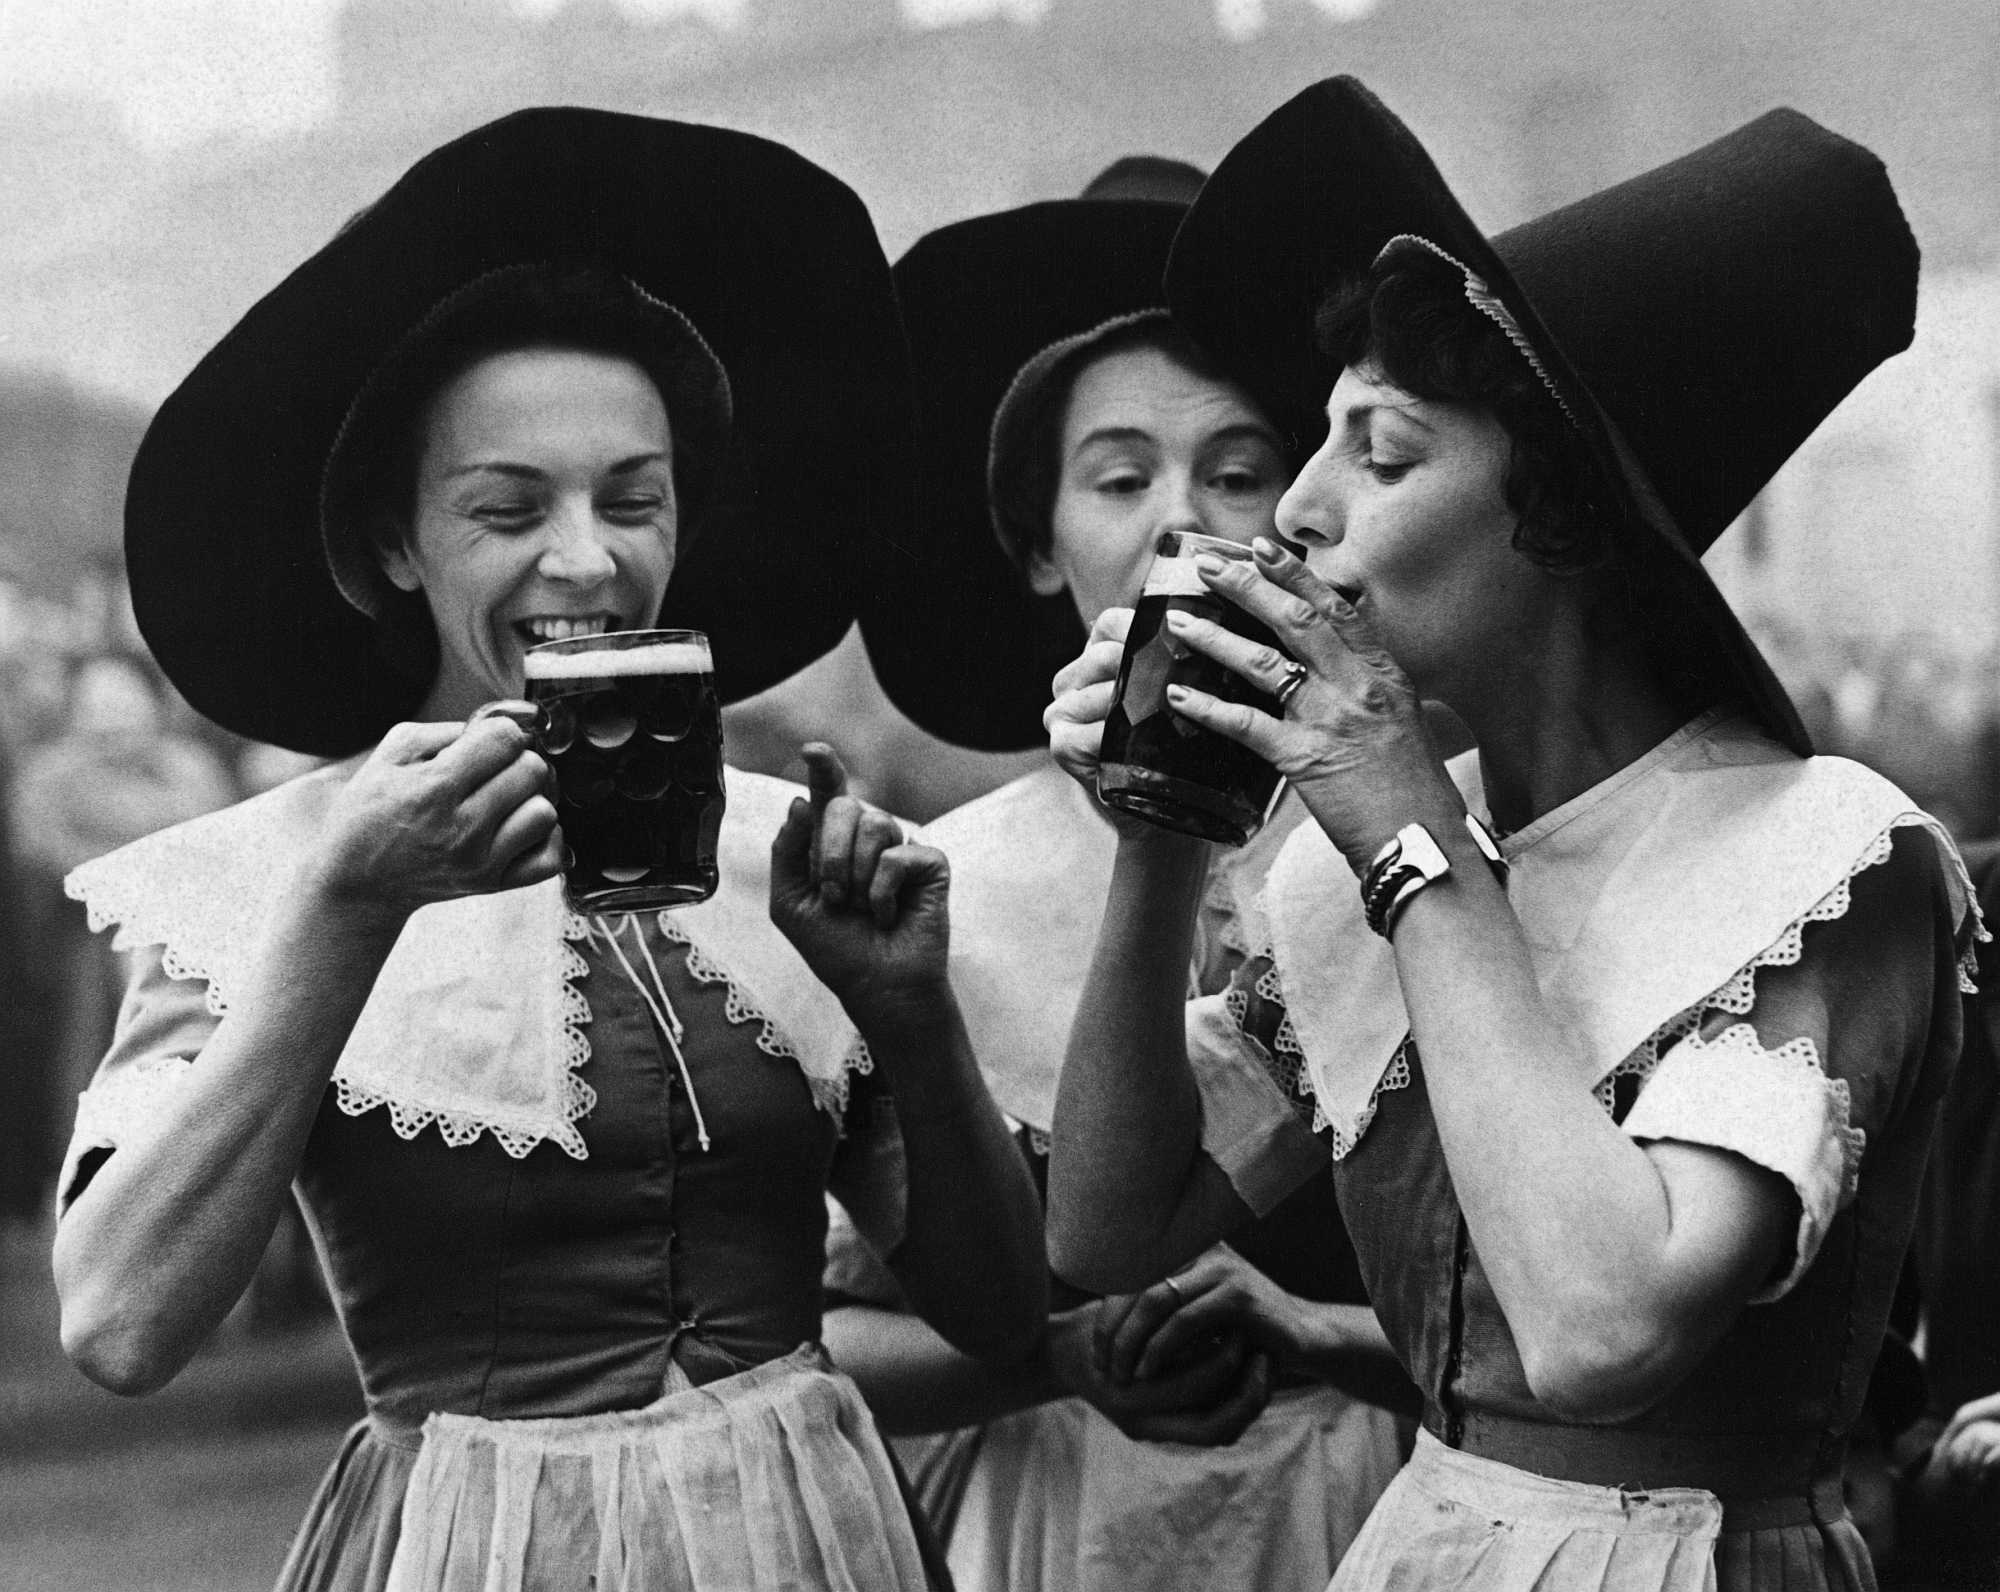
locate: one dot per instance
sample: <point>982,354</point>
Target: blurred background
<point>162,162</point>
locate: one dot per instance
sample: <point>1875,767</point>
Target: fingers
<point>1979,1409</point>
<point>791,852</point>
<point>1097,663</point>
<point>839,826</point>
<point>416,743</point>
<point>528,775</point>
<point>479,752</point>
<point>900,870</point>
<point>1181,1333</point>
<point>532,841</point>
<point>1265,667</point>
<point>1237,721</point>
<point>1219,1425</point>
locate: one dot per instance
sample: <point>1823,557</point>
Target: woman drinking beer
<point>1214,1430</point>
<point>1628,1110</point>
<point>568,1174</point>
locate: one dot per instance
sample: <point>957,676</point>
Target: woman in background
<point>1215,1429</point>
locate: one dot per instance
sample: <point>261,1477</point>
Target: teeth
<point>553,628</point>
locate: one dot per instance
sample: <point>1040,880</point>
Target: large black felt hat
<point>1696,322</point>
<point>760,261</point>
<point>992,306</point>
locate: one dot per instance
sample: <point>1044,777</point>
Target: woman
<point>496,410</point>
<point>1080,1468</point>
<point>1628,1137</point>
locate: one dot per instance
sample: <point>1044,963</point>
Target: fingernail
<point>1209,564</point>
<point>1176,693</point>
<point>1265,548</point>
<point>1176,620</point>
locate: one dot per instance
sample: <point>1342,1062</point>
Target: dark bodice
<point>1790,1372</point>
<point>474,1282</point>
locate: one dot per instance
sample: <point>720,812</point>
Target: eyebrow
<point>1359,413</point>
<point>1236,432</point>
<point>527,472</point>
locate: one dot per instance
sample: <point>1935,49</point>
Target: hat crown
<point>1719,307</point>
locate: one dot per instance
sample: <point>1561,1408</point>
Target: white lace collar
<point>1640,899</point>
<point>477,1022</point>
<point>1030,869</point>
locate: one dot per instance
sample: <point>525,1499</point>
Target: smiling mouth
<point>563,627</point>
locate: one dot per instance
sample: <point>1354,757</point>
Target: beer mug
<point>1156,764</point>
<point>630,725</point>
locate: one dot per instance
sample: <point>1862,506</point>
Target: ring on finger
<point>1295,676</point>
<point>1174,1287</point>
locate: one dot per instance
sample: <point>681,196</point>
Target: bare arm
<point>1617,1265</point>
<point>869,913</point>
<point>157,1248</point>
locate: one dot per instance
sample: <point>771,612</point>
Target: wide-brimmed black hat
<point>995,306</point>
<point>1696,322</point>
<point>757,263</point>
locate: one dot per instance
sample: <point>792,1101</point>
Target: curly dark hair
<point>1410,320</point>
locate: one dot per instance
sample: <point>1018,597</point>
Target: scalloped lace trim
<point>1736,995</point>
<point>460,1129</point>
<point>140,924</point>
<point>1794,1056</point>
<point>829,1094</point>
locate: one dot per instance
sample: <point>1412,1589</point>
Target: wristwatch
<point>1411,860</point>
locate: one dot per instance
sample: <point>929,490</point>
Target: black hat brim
<point>959,641</point>
<point>772,260</point>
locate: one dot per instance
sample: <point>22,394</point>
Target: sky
<point>182,70</point>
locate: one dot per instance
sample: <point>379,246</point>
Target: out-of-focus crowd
<point>96,749</point>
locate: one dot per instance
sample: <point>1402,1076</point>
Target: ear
<point>393,554</point>
<point>1044,579</point>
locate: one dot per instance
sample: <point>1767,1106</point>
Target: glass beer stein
<point>1156,764</point>
<point>630,724</point>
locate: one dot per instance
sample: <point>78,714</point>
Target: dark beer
<point>631,726</point>
<point>1156,764</point>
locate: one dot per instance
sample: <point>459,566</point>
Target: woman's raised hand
<point>1081,697</point>
<point>440,811</point>
<point>868,910</point>
<point>1351,738</point>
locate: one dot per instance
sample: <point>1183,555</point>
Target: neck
<point>1564,714</point>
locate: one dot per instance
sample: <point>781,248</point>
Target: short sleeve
<point>1829,1039</point>
<point>870,1177</point>
<point>1250,1128</point>
<point>163,1023</point>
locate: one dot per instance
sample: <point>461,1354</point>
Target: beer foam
<point>601,663</point>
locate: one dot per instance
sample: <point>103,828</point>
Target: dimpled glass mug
<point>1156,764</point>
<point>630,724</point>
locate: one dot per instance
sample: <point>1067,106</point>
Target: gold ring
<point>1295,676</point>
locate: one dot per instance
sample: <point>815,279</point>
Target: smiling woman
<point>586,1308</point>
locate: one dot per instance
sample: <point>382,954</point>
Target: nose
<point>1309,512</point>
<point>1181,506</point>
<point>575,552</point>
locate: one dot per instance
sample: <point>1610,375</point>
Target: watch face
<point>1421,852</point>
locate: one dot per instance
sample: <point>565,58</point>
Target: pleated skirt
<point>1455,1520</point>
<point>771,1479</point>
<point>1057,1499</point>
